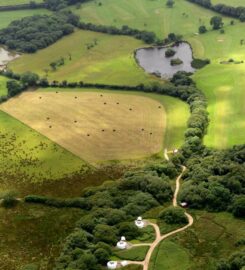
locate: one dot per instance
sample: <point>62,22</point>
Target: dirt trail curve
<point>160,237</point>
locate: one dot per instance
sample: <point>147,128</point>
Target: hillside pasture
<point>16,2</point>
<point>8,16</point>
<point>223,84</point>
<point>94,127</point>
<point>110,60</point>
<point>184,18</point>
<point>233,3</point>
<point>3,89</point>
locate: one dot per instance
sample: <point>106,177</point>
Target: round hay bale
<point>105,103</point>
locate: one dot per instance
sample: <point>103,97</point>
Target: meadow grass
<point>155,16</point>
<point>110,61</point>
<point>8,16</point>
<point>233,3</point>
<point>3,89</point>
<point>16,2</point>
<point>213,236</point>
<point>223,84</point>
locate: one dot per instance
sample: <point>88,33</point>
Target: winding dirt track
<point>160,237</point>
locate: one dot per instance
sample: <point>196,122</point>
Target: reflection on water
<point>153,60</point>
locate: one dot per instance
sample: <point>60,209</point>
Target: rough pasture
<point>88,56</point>
<point>94,126</point>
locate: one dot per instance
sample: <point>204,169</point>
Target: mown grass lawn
<point>223,84</point>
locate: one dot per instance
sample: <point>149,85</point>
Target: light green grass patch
<point>111,61</point>
<point>233,3</point>
<point>184,18</point>
<point>223,84</point>
<point>8,16</point>
<point>3,88</point>
<point>16,2</point>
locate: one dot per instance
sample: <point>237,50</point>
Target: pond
<point>154,61</point>
<point>6,56</point>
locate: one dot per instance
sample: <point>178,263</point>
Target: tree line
<point>235,12</point>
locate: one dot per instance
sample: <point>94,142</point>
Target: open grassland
<point>151,15</point>
<point>223,84</point>
<point>212,237</point>
<point>16,2</point>
<point>8,16</point>
<point>3,89</point>
<point>111,60</point>
<point>86,116</point>
<point>233,3</point>
<point>33,234</point>
<point>28,157</point>
<point>113,126</point>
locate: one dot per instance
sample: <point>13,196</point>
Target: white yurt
<point>122,244</point>
<point>112,265</point>
<point>139,223</point>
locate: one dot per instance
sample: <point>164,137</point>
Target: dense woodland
<point>37,32</point>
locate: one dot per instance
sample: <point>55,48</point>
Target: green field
<point>212,237</point>
<point>16,2</point>
<point>233,3</point>
<point>110,61</point>
<point>3,89</point>
<point>8,16</point>
<point>223,84</point>
<point>154,16</point>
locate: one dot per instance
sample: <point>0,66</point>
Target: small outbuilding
<point>184,204</point>
<point>139,223</point>
<point>122,244</point>
<point>112,265</point>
